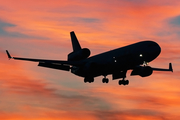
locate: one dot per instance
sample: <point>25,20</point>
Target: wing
<point>159,69</point>
<point>76,63</point>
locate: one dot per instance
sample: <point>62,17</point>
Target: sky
<point>41,29</point>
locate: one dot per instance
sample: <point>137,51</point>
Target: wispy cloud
<point>4,26</point>
<point>29,92</point>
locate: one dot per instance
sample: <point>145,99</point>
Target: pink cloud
<point>101,26</point>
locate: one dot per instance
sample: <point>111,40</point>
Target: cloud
<point>24,91</point>
<point>170,29</point>
<point>175,21</point>
<point>129,114</point>
<point>87,20</point>
<point>5,33</point>
<point>3,25</point>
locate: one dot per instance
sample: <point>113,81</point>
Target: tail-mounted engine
<point>79,55</point>
<point>142,71</point>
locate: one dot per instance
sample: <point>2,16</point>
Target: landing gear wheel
<point>120,82</point>
<point>124,82</point>
<point>89,79</point>
<point>105,80</point>
<point>127,82</point>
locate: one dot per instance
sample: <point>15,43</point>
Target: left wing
<point>76,63</point>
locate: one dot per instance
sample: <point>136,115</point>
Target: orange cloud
<point>41,29</point>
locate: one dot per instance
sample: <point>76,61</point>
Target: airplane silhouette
<point>117,62</point>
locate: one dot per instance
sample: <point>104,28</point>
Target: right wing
<point>160,69</point>
<point>76,63</point>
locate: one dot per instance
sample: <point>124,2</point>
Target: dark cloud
<point>4,25</point>
<point>80,20</point>
<point>83,102</point>
<point>87,20</point>
<point>5,33</point>
<point>128,114</point>
<point>173,25</point>
<point>41,93</point>
<point>45,96</point>
<point>151,2</point>
<point>175,21</point>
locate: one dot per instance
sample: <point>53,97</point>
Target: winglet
<point>9,56</point>
<point>170,67</point>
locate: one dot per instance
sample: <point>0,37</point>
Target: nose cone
<point>157,49</point>
<point>153,50</point>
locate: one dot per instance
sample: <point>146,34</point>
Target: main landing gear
<point>105,80</point>
<point>89,79</point>
<point>123,82</point>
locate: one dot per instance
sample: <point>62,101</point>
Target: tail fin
<point>75,44</point>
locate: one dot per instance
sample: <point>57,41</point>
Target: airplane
<point>115,62</point>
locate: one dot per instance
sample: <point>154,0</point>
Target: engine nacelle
<point>142,71</point>
<point>79,55</point>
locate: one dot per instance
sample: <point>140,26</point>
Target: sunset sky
<point>41,29</point>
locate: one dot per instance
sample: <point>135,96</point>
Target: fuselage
<point>126,57</point>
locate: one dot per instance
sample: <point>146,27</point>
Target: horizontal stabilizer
<point>159,69</point>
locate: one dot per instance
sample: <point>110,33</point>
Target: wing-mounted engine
<point>142,71</point>
<point>79,55</point>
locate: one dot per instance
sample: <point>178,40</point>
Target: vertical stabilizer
<point>75,44</point>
